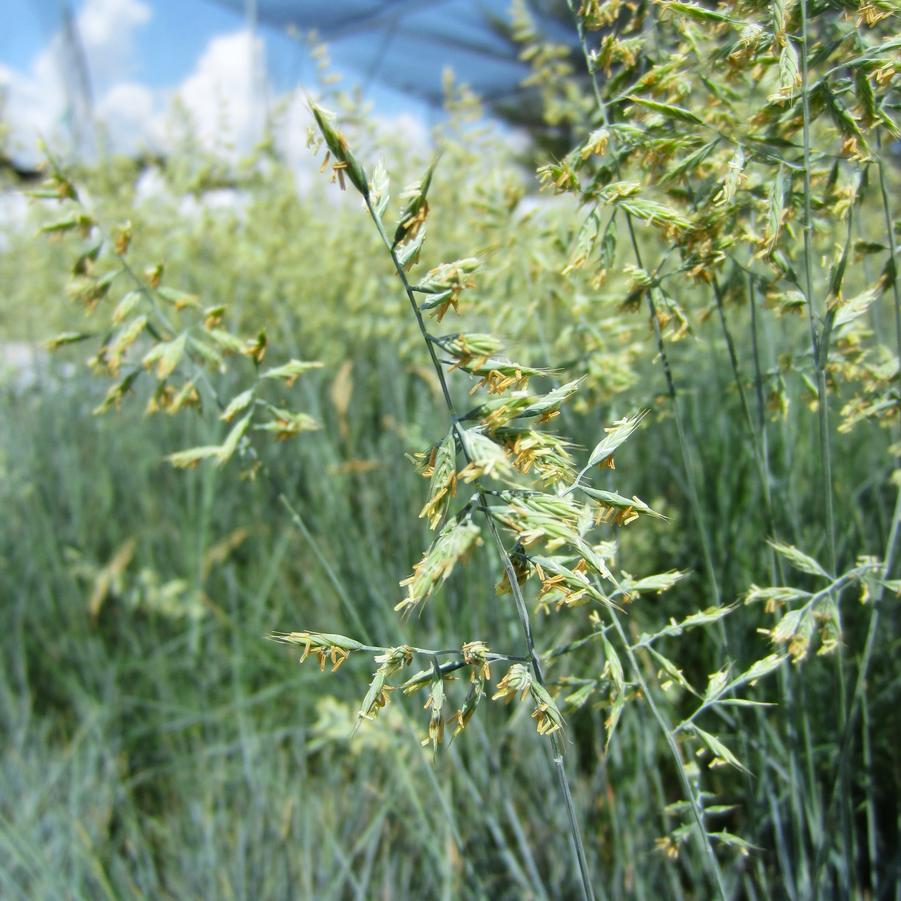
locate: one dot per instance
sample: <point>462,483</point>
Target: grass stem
<point>559,768</point>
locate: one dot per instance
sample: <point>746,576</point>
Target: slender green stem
<point>819,355</point>
<point>763,439</point>
<point>893,254</point>
<point>860,686</point>
<point>693,797</point>
<point>529,881</point>
<point>756,446</point>
<point>694,500</point>
<point>795,880</point>
<point>691,482</point>
<point>519,601</point>
<point>819,349</point>
<point>301,526</point>
<point>870,804</point>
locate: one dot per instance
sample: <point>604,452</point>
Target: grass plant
<point>711,670</point>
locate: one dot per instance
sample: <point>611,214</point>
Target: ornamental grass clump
<point>498,478</point>
<point>736,158</point>
<point>723,242</point>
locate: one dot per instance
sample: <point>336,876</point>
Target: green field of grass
<point>709,639</point>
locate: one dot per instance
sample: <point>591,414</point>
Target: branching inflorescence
<point>711,179</point>
<point>164,334</point>
<point>497,473</point>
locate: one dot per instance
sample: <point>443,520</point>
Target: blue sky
<point>170,41</point>
<point>142,54</point>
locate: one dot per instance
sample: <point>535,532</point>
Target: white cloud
<point>408,130</point>
<point>106,29</point>
<point>130,115</point>
<point>39,101</point>
<point>105,24</point>
<point>224,94</point>
<point>34,104</point>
